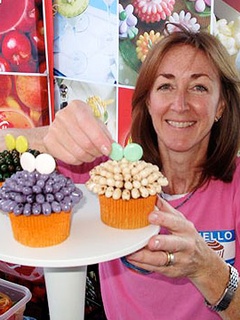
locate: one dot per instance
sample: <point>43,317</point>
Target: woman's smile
<point>180,124</point>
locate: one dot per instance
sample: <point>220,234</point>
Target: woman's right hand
<point>76,136</point>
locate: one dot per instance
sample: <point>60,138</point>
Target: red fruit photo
<point>16,47</point>
<point>11,13</point>
<point>29,66</point>
<point>4,65</point>
<point>22,41</point>
<point>10,118</point>
<point>43,67</point>
<point>32,91</point>
<point>5,87</point>
<point>29,18</point>
<point>37,38</point>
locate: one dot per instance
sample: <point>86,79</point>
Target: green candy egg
<point>122,15</point>
<point>133,152</point>
<point>116,152</point>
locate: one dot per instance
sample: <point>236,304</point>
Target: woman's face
<point>184,100</point>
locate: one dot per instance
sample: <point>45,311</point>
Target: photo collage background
<point>91,50</point>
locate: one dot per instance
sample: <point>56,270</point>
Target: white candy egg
<point>27,161</point>
<point>45,163</point>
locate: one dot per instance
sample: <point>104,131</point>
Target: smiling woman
<point>185,115</point>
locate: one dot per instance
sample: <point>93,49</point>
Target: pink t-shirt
<point>215,211</point>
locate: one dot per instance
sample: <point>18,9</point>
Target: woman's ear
<point>220,110</point>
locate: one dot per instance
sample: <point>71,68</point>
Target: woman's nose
<point>180,101</point>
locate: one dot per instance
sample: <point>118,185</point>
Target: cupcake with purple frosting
<point>39,201</point>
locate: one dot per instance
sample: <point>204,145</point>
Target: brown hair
<point>225,134</point>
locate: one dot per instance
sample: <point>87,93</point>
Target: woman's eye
<point>200,88</point>
<point>165,86</point>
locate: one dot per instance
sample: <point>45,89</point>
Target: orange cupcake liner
<point>41,230</point>
<point>126,214</point>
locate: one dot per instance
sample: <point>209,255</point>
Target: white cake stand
<point>65,265</point>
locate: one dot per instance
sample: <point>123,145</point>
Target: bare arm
<point>34,136</point>
<point>75,136</point>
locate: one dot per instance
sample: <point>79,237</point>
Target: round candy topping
<point>122,15</point>
<point>133,152</point>
<point>10,141</point>
<point>27,161</point>
<point>117,152</point>
<point>45,163</point>
<point>21,144</point>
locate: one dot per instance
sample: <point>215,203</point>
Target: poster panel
<point>24,92</point>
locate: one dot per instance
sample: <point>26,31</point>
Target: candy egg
<point>10,141</point>
<point>27,161</point>
<point>200,5</point>
<point>45,163</point>
<point>116,152</point>
<point>133,152</point>
<point>21,144</point>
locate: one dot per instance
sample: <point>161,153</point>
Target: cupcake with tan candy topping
<point>127,187</point>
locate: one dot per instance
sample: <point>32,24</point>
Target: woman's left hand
<point>193,259</point>
<point>191,255</point>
